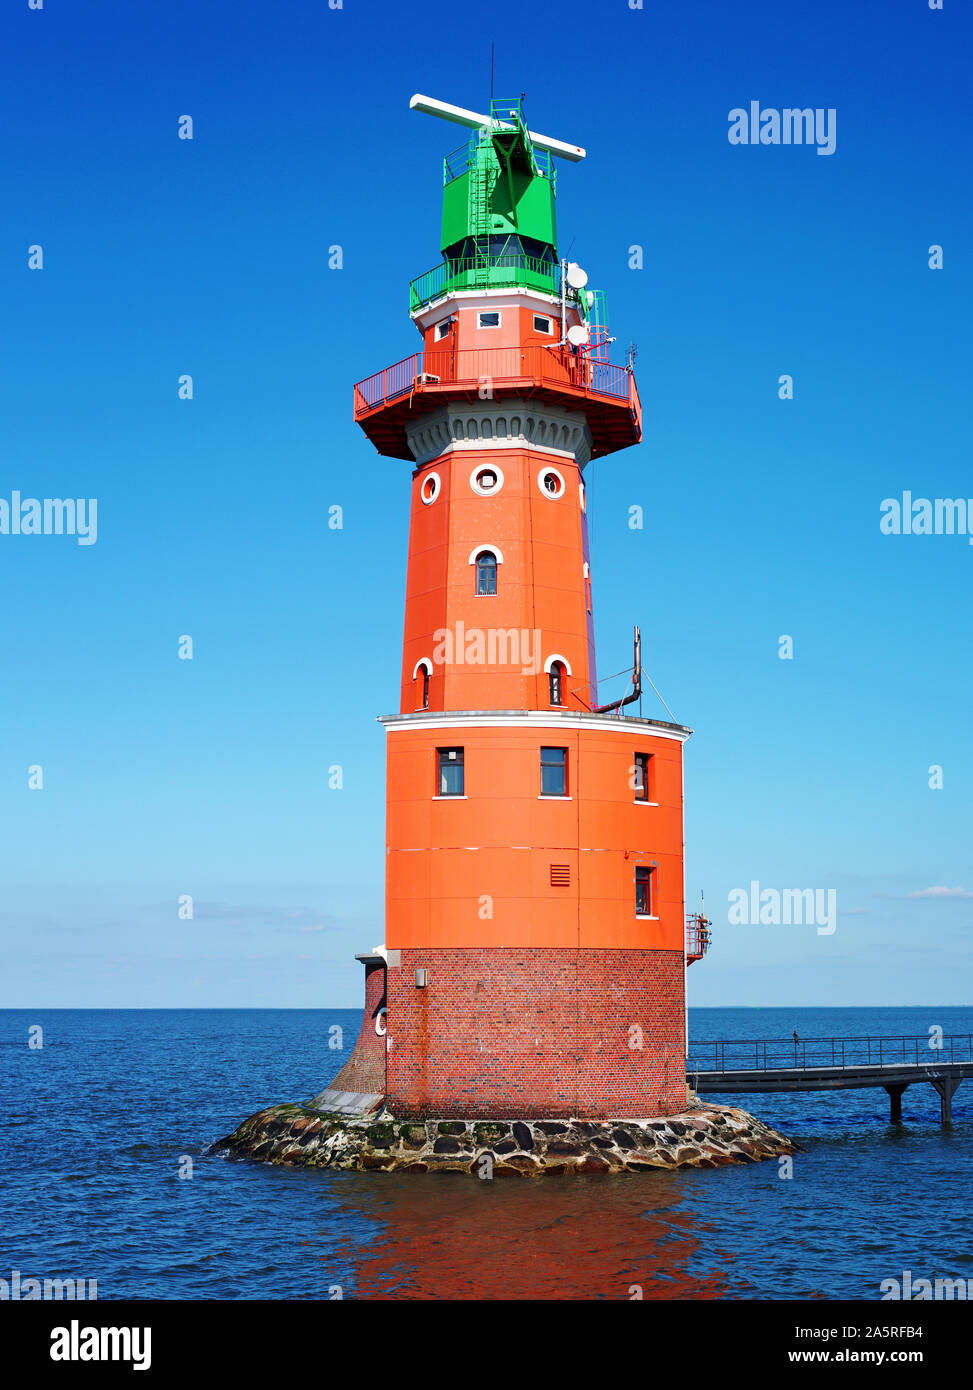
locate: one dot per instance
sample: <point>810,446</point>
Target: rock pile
<point>702,1136</point>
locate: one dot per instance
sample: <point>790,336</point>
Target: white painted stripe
<point>530,719</point>
<point>482,297</point>
<point>509,442</point>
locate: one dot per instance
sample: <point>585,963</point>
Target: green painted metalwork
<point>597,310</point>
<point>460,160</point>
<point>497,184</point>
<point>499,226</point>
<point>481,203</point>
<point>469,272</point>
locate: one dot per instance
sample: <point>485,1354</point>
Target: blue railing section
<point>780,1054</point>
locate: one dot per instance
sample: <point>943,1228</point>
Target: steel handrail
<point>469,367</point>
<point>465,272</point>
<point>837,1053</point>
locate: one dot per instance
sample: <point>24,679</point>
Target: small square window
<point>488,320</point>
<point>542,324</point>
<point>449,779</point>
<point>645,891</point>
<point>554,772</point>
<point>442,329</point>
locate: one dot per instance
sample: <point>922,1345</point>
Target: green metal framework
<point>499,224</point>
<point>461,160</point>
<point>467,272</point>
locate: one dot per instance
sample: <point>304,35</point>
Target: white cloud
<point>273,918</point>
<point>941,892</point>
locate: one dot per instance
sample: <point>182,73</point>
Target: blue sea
<point>100,1124</point>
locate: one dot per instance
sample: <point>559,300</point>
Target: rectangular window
<point>542,324</point>
<point>554,772</point>
<point>488,320</point>
<point>449,781</point>
<point>643,777</point>
<point>644,891</point>
<point>442,329</point>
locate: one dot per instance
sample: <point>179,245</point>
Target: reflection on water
<point>460,1237</point>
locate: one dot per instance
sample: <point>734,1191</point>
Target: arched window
<point>486,572</point>
<point>557,667</point>
<point>421,676</point>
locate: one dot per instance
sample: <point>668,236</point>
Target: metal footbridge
<point>834,1064</point>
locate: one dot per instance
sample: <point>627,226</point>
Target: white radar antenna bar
<point>460,116</point>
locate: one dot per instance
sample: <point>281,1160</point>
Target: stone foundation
<point>701,1136</point>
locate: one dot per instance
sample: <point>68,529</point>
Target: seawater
<point>98,1124</point>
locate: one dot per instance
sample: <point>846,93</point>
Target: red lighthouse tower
<point>535,945</point>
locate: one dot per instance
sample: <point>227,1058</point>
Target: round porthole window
<point>429,488</point>
<point>486,479</point>
<point>550,482</point>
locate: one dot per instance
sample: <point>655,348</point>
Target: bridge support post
<point>895,1096</point>
<point>946,1086</point>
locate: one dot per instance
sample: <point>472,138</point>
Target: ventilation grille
<point>560,875</point>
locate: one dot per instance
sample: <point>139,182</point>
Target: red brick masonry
<point>501,1033</point>
<point>365,1068</point>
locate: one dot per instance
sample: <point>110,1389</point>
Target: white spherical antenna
<point>578,334</point>
<point>577,278</point>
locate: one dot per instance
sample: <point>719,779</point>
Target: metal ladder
<point>481,183</point>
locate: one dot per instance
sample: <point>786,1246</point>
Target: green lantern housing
<point>499,223</point>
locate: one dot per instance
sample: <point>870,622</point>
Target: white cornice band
<point>533,719</point>
<point>484,297</point>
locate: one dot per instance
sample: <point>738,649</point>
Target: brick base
<point>511,1032</point>
<point>364,1070</point>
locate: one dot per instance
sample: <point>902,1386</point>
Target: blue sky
<point>163,256</point>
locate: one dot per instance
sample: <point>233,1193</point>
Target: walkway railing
<point>385,385</point>
<point>471,367</point>
<point>778,1054</point>
<point>501,272</point>
<point>697,937</point>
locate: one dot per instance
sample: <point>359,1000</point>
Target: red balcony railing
<point>471,368</point>
<point>697,937</point>
<point>385,385</point>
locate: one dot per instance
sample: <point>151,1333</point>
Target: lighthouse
<point>535,934</point>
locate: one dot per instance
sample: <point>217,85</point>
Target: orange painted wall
<point>501,840</point>
<point>540,583</point>
<point>516,325</point>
